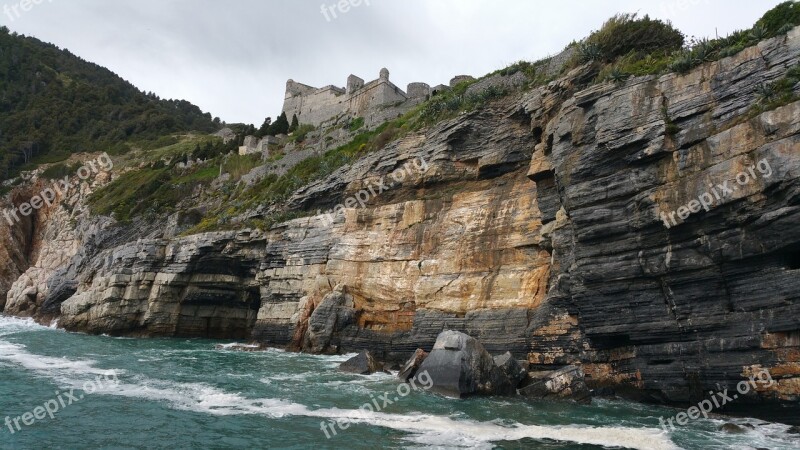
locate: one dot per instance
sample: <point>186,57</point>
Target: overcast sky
<point>233,57</point>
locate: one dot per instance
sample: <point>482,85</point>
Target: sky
<point>232,57</point>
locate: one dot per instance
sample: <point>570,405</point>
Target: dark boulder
<point>363,364</point>
<point>511,368</point>
<point>460,366</point>
<point>411,367</point>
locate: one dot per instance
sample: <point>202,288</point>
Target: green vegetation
<point>630,46</point>
<point>273,189</point>
<point>780,93</point>
<point>60,170</point>
<point>270,128</point>
<point>238,166</point>
<point>356,124</point>
<point>626,33</point>
<point>780,19</point>
<point>300,134</point>
<point>457,100</point>
<point>160,187</point>
<point>75,106</point>
<point>212,149</point>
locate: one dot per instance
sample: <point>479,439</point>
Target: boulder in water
<point>460,366</point>
<point>411,367</point>
<point>511,368</point>
<point>363,364</point>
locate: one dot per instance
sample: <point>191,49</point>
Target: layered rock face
<point>195,286</point>
<point>608,228</point>
<point>674,307</point>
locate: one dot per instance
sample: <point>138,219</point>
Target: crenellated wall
<point>369,100</point>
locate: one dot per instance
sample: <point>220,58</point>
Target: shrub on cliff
<point>625,33</point>
<point>780,19</point>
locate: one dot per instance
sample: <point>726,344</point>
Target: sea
<point>61,390</point>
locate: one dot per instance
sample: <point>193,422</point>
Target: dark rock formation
<point>511,368</point>
<point>411,367</point>
<point>459,366</point>
<point>363,364</point>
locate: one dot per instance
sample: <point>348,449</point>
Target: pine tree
<point>281,126</point>
<point>264,128</point>
<point>295,124</point>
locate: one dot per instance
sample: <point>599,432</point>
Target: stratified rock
<point>567,383</point>
<point>459,366</point>
<point>511,368</point>
<point>363,364</point>
<point>411,367</point>
<point>334,314</point>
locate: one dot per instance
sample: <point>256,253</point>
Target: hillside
<point>53,104</point>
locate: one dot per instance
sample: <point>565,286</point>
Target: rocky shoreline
<point>537,229</point>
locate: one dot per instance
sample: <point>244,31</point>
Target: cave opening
<point>793,260</point>
<point>790,257</point>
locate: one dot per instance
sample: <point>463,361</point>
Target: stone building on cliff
<point>376,101</point>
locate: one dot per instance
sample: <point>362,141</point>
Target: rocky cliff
<point>608,227</point>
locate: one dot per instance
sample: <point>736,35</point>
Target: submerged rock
<point>460,366</point>
<point>363,364</point>
<point>732,428</point>
<point>241,347</point>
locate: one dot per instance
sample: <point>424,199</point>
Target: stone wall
<point>371,100</point>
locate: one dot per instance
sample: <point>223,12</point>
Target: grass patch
<point>780,93</point>
<point>202,174</point>
<point>61,170</point>
<point>356,124</point>
<point>450,103</point>
<point>300,134</point>
<point>238,166</point>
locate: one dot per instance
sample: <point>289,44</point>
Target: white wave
<point>427,429</point>
<point>47,365</point>
<point>11,325</point>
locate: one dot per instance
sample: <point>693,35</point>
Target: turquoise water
<point>177,393</point>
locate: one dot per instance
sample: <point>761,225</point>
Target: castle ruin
<point>377,101</point>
